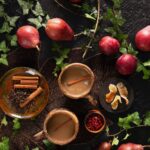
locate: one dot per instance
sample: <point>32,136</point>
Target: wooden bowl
<point>91,112</point>
<point>74,72</point>
<point>61,126</point>
<point>104,89</point>
<point>6,87</point>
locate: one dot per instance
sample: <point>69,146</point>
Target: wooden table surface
<point>137,15</point>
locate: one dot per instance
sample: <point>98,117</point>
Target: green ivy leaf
<point>3,59</point>
<point>38,10</point>
<point>121,36</point>
<point>147,119</point>
<point>13,41</point>
<point>12,20</point>
<point>47,17</point>
<point>49,146</point>
<point>89,16</point>
<point>86,7</point>
<point>16,124</point>
<point>109,15</point>
<point>142,68</point>
<point>2,14</point>
<point>136,118</point>
<point>115,141</point>
<point>62,54</point>
<point>25,5</point>
<point>4,143</point>
<point>123,50</point>
<point>131,50</point>
<point>36,21</point>
<point>117,3</point>
<point>111,31</point>
<point>27,147</point>
<point>118,19</point>
<point>3,47</point>
<point>124,43</point>
<point>5,28</point>
<point>4,121</point>
<point>125,122</point>
<point>2,1</point>
<point>146,73</point>
<point>147,63</point>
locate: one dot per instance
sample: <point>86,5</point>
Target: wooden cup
<point>44,134</point>
<point>84,94</point>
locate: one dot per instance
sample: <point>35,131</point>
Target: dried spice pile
<point>17,96</point>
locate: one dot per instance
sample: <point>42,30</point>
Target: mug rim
<point>63,111</point>
<point>85,67</point>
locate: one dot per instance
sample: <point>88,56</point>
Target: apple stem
<point>146,146</point>
<point>37,47</point>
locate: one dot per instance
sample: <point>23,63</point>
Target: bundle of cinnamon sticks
<point>27,82</point>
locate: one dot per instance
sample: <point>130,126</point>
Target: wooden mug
<point>89,75</point>
<point>45,132</point>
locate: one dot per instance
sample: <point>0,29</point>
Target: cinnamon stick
<point>78,80</point>
<point>31,97</point>
<point>20,86</point>
<point>30,82</point>
<point>25,78</point>
<point>62,124</point>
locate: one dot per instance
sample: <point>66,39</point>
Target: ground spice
<point>17,96</point>
<point>94,122</point>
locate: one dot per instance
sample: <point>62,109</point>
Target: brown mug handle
<point>39,136</point>
<point>91,100</point>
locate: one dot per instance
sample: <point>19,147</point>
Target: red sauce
<point>94,122</point>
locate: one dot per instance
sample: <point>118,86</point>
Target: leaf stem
<point>98,54</point>
<point>123,130</point>
<point>78,34</point>
<point>43,65</point>
<point>95,30</point>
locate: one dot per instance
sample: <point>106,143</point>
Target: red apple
<point>105,146</point>
<point>142,39</point>
<point>58,30</point>
<point>109,45</point>
<point>126,64</point>
<point>28,37</point>
<point>130,146</point>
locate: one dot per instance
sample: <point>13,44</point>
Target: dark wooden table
<point>137,15</point>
